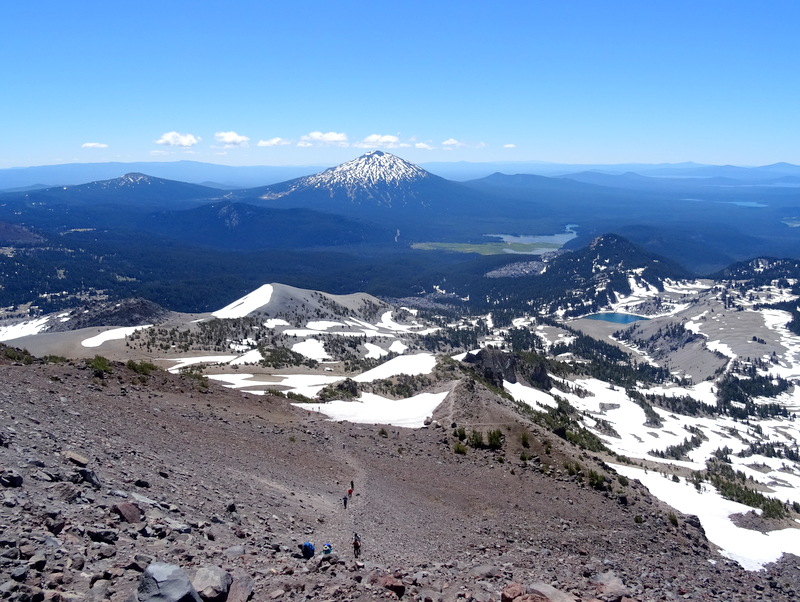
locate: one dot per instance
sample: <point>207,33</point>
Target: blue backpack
<point>308,550</point>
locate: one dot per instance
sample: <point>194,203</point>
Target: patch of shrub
<point>476,439</point>
<point>494,439</point>
<point>144,368</point>
<point>597,481</point>
<point>460,448</point>
<point>18,355</point>
<point>99,364</point>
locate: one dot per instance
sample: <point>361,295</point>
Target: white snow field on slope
<point>23,329</point>
<point>533,397</point>
<point>421,363</point>
<point>115,334</point>
<point>789,366</point>
<point>751,549</point>
<point>182,362</point>
<point>410,412</point>
<point>312,349</point>
<point>249,357</point>
<point>250,302</point>
<point>275,322</point>
<point>241,380</point>
<point>642,291</point>
<point>374,352</point>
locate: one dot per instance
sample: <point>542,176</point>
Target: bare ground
<point>219,469</point>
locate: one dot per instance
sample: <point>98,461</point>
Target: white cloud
<point>274,142</point>
<point>423,146</point>
<point>325,139</point>
<point>509,146</point>
<point>94,145</point>
<point>452,143</point>
<point>381,141</point>
<point>378,139</point>
<point>231,139</point>
<point>158,153</point>
<point>304,144</point>
<point>176,139</point>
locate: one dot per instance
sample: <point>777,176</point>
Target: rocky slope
<point>107,469</point>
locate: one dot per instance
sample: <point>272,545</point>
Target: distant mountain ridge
<point>761,269</point>
<point>584,281</point>
<point>380,203</point>
<point>229,176</point>
<point>133,188</point>
<point>250,176</point>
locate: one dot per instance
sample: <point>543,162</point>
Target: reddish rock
<point>512,591</point>
<point>393,585</point>
<point>130,513</point>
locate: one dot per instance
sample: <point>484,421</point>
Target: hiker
<point>344,501</point>
<point>351,485</point>
<point>350,492</point>
<point>327,549</point>
<point>356,545</point>
<point>307,550</point>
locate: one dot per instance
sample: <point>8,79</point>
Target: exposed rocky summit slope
<point>106,472</point>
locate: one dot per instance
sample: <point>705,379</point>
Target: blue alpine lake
<point>616,318</point>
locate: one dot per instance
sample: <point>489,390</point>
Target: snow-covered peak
<point>129,180</point>
<point>135,178</point>
<point>373,169</point>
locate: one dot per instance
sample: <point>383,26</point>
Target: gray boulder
<point>241,588</point>
<point>162,582</point>
<point>212,583</point>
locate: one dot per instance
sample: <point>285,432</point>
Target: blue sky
<point>317,83</point>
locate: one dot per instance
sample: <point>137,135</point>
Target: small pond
<point>616,318</point>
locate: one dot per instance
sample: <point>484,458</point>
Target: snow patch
<point>374,409</point>
<point>115,334</point>
<point>249,303</point>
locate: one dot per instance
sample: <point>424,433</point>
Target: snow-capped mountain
<point>382,178</point>
<point>372,170</point>
<point>376,182</point>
